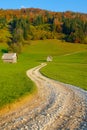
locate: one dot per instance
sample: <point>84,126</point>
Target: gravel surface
<point>57,106</point>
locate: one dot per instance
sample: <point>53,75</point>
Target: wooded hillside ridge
<point>19,26</point>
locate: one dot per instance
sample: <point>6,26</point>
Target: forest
<point>18,27</point>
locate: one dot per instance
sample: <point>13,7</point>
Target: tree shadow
<point>4,50</point>
<point>41,60</point>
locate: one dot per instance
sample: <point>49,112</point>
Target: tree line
<point>17,27</point>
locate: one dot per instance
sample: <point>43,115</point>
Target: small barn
<point>49,58</point>
<point>9,57</point>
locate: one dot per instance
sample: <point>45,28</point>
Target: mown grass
<point>13,80</point>
<point>71,69</point>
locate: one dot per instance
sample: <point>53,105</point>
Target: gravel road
<point>57,106</point>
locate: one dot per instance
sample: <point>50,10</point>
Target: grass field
<point>13,80</point>
<point>71,69</point>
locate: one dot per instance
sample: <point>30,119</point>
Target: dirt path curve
<point>56,107</point>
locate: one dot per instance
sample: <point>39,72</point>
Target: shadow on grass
<point>41,61</point>
<point>4,51</point>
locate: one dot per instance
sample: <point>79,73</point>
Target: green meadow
<point>69,65</point>
<point>70,69</point>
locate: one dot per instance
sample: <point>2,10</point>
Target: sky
<point>52,5</point>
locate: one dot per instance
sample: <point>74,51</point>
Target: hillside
<point>20,26</point>
<point>13,80</point>
<point>56,105</point>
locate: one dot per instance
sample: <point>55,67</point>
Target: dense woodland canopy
<point>17,27</point>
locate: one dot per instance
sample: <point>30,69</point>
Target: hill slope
<point>13,80</point>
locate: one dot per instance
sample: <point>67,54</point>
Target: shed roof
<point>49,58</point>
<point>8,55</point>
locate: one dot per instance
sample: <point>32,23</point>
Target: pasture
<point>72,68</point>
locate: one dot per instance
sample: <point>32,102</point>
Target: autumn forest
<point>18,27</point>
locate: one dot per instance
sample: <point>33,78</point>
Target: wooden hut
<point>49,58</point>
<point>9,57</point>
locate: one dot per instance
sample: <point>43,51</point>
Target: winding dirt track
<point>57,106</point>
